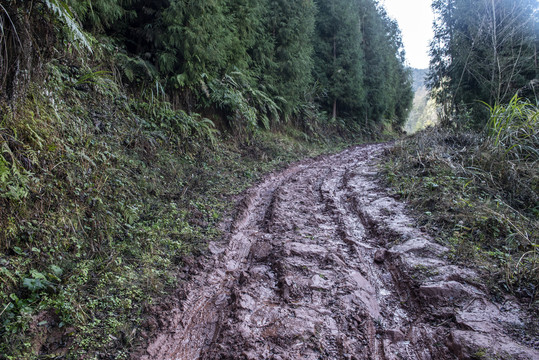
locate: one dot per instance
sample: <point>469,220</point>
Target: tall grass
<point>513,135</point>
<point>478,193</point>
<point>513,128</point>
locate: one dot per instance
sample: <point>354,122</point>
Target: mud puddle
<point>320,263</point>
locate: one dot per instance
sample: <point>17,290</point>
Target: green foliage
<point>27,30</point>
<point>387,82</point>
<point>105,189</point>
<point>136,70</point>
<point>176,123</point>
<point>360,63</point>
<point>249,107</point>
<point>197,38</point>
<point>119,191</point>
<point>99,14</point>
<point>339,55</point>
<point>13,183</point>
<point>514,128</point>
<point>64,14</point>
<point>482,51</point>
<point>14,178</point>
<point>291,25</point>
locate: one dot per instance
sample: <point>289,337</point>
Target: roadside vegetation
<point>474,180</point>
<point>128,127</point>
<point>103,195</point>
<point>478,194</point>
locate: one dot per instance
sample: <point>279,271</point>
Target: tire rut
<point>321,264</point>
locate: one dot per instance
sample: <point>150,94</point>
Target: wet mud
<point>320,263</point>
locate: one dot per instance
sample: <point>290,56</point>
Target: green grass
<point>514,129</point>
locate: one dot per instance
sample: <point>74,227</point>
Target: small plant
<point>514,128</point>
<point>250,108</point>
<point>14,180</point>
<point>188,127</point>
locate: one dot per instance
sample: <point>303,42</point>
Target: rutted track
<point>321,264</point>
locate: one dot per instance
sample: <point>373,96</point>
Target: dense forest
<point>245,58</point>
<point>482,52</point>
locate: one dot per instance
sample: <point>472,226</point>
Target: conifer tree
<point>339,57</point>
<point>290,24</point>
<point>376,61</point>
<point>399,78</point>
<point>197,39</point>
<point>482,50</point>
<point>387,82</point>
<point>246,17</point>
<point>278,47</point>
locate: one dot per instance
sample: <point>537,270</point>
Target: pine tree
<point>290,24</point>
<point>339,57</point>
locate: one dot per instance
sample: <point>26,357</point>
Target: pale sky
<point>415,21</point>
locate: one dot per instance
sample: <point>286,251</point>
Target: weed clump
<point>478,194</point>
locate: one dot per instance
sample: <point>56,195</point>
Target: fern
<point>248,106</point>
<point>64,14</point>
<point>175,125</point>
<point>98,14</point>
<point>167,61</point>
<point>92,77</point>
<point>13,180</point>
<point>136,69</point>
<point>4,172</point>
<point>203,128</point>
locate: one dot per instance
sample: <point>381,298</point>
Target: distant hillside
<point>423,112</point>
<point>419,78</point>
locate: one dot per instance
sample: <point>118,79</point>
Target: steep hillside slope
<point>424,109</point>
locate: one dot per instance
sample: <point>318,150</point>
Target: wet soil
<point>320,263</point>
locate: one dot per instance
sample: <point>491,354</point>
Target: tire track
<point>322,264</point>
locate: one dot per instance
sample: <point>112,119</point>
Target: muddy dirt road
<point>320,263</point>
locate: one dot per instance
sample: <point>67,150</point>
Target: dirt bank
<point>320,263</point>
